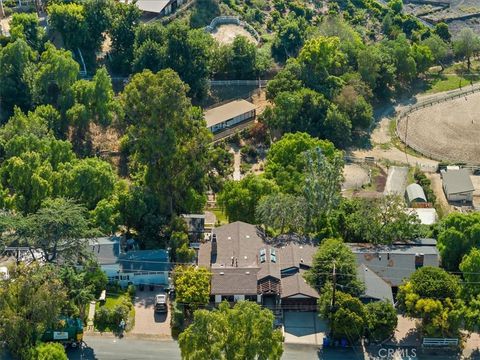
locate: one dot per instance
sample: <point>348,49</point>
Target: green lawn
<point>452,77</point>
<point>114,299</point>
<point>221,217</point>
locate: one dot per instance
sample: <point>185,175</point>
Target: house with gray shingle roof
<point>245,265</point>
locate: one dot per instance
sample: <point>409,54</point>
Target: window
<point>419,259</point>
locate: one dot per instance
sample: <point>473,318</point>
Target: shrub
<point>102,319</point>
<point>131,290</point>
<point>177,322</point>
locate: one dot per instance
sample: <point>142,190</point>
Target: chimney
<point>236,262</point>
<point>213,252</point>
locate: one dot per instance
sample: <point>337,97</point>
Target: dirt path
<point>438,191</point>
<point>381,137</point>
<point>237,161</point>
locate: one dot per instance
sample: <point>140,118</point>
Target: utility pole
<point>334,283</point>
<point>2,11</point>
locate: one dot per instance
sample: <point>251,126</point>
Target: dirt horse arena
<point>225,34</point>
<point>447,131</point>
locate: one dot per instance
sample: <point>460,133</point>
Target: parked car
<point>161,303</point>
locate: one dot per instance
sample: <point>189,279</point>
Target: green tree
<point>322,61</point>
<point>245,331</point>
<point>88,180</point>
<point>169,138</point>
<point>323,178</point>
<point>466,44</point>
<point>347,318</point>
<point>440,49</point>
<point>239,60</point>
<point>354,105</point>
<point>59,230</point>
<point>423,57</point>
<point>431,294</point>
<point>381,320</point>
<point>441,29</point>
<point>126,19</point>
<point>192,285</point>
<point>379,221</point>
<point>15,60</point>
<point>338,127</point>
<point>30,302</point>
<point>240,198</point>
<point>396,6</point>
<point>282,212</point>
<point>26,26</point>
<point>69,21</point>
<point>303,110</point>
<point>401,52</point>
<point>457,233</point>
<point>203,12</point>
<point>334,253</point>
<point>186,51</point>
<point>286,160</point>
<point>289,38</point>
<point>51,351</point>
<point>470,268</point>
<point>98,17</point>
<point>56,73</point>
<point>377,69</point>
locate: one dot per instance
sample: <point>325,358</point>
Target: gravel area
<point>355,176</point>
<point>446,131</point>
<point>225,34</point>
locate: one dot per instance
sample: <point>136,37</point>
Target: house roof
<point>234,281</point>
<point>222,113</point>
<point>145,260</point>
<point>242,247</point>
<point>457,181</point>
<point>237,240</point>
<point>153,6</point>
<point>415,192</point>
<point>105,249</point>
<point>296,285</point>
<point>394,263</point>
<point>375,286</point>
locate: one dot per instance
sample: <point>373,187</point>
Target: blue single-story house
<point>124,263</point>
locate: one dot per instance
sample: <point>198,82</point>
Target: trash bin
<point>326,342</point>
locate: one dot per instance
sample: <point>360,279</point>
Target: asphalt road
<point>108,348</point>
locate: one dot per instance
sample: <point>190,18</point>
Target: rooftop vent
<point>247,272</point>
<point>247,236</point>
<point>222,273</point>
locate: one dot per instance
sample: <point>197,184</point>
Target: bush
<point>102,319</point>
<point>50,351</point>
<point>131,291</point>
<point>177,322</point>
<point>108,319</point>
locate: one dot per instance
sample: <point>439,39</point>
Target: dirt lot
<point>225,34</point>
<point>446,131</point>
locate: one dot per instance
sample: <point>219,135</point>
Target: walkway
<point>396,180</point>
<point>237,162</point>
<point>91,316</point>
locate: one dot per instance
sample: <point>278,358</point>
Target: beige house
<point>230,114</point>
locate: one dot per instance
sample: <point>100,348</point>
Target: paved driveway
<point>303,327</point>
<point>147,322</point>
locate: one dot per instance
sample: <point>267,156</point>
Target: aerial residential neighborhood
<point>239,180</point>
